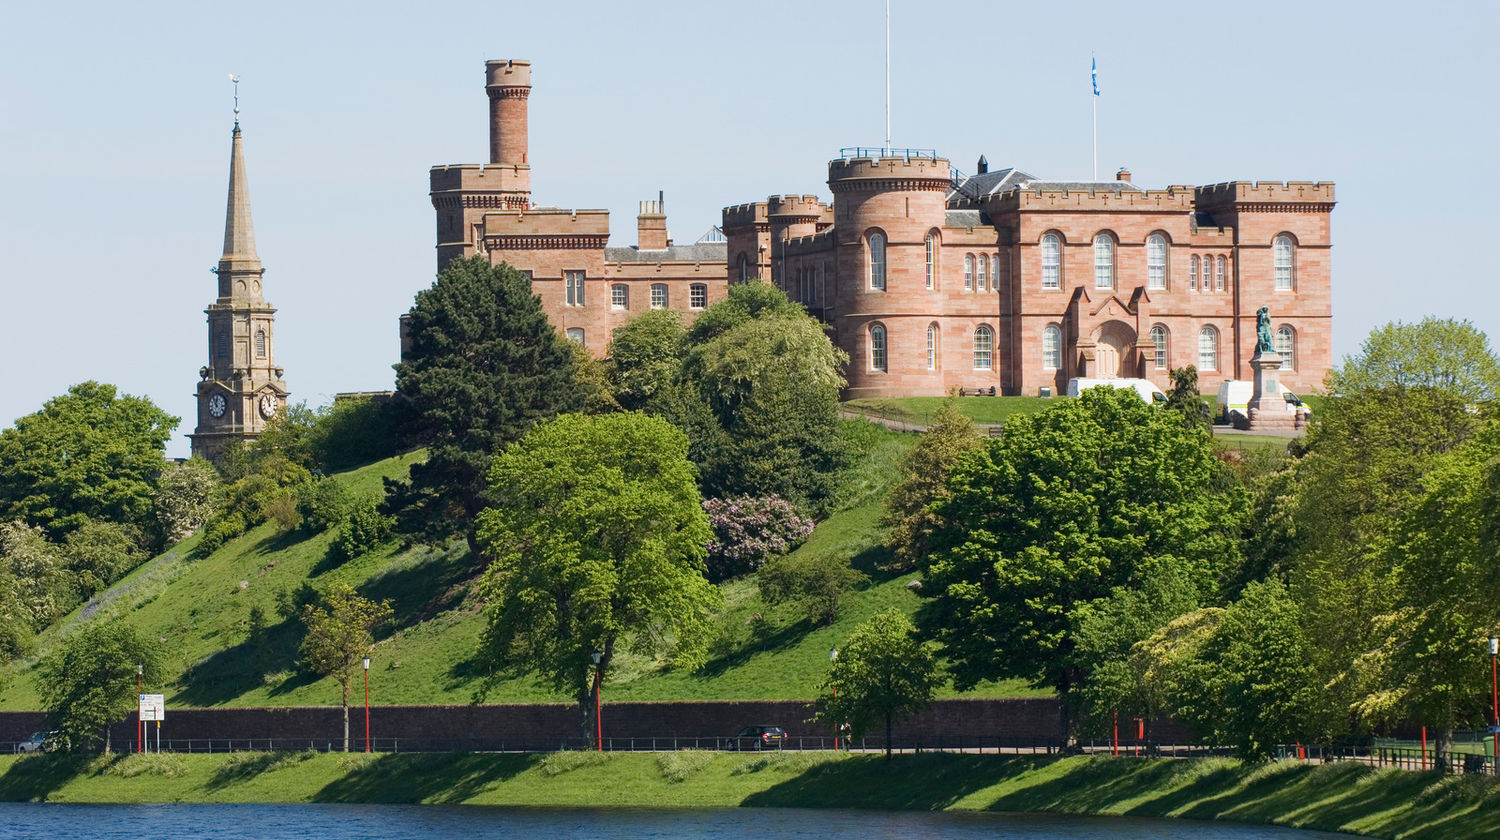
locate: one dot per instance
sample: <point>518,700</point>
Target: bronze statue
<point>1263,342</point>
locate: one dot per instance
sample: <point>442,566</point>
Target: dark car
<point>757,738</point>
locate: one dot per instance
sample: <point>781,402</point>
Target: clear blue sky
<point>115,121</point>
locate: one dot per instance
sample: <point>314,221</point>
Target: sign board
<point>153,707</point>
<point>1495,730</point>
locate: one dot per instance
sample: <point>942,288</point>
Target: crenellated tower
<point>241,387</point>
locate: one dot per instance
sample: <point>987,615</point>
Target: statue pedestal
<point>1267,409</point>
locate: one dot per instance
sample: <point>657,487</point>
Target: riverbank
<point>1347,797</point>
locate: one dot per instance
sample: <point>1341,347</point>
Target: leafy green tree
<point>364,528</point>
<point>597,533</point>
<point>354,431</point>
<point>1251,682</point>
<point>645,356</point>
<point>1442,353</point>
<point>16,631</point>
<point>593,378</point>
<point>99,553</point>
<point>884,673</point>
<point>1072,504</point>
<point>483,366</point>
<point>924,481</point>
<point>816,583</point>
<point>88,454</point>
<point>1184,398</point>
<point>89,681</point>
<point>760,399</point>
<point>339,637</point>
<point>187,495</point>
<point>44,590</point>
<point>288,434</point>
<point>1431,644</point>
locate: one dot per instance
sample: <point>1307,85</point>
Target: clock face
<point>216,405</point>
<point>267,405</point>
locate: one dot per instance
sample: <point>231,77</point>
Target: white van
<point>1144,388</point>
<point>1234,397</point>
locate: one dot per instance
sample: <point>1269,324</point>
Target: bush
<point>283,511</point>
<point>220,531</point>
<point>352,432</point>
<point>364,528</point>
<point>323,504</point>
<point>678,765</point>
<point>816,584</point>
<point>748,530</point>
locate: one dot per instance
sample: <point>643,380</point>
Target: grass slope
<point>199,610</point>
<point>1350,798</point>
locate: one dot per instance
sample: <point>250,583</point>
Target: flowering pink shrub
<point>748,530</point>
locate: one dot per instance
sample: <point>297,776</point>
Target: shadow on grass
<point>783,638</point>
<point>33,778</point>
<point>427,777</point>
<point>422,590</point>
<point>233,671</point>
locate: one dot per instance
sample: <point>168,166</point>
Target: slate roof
<point>697,252</point>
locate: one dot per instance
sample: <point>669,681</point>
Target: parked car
<point>757,738</point>
<point>1144,388</point>
<point>40,742</point>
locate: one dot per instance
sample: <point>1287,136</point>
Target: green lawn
<point>919,410</point>
<point>199,610</point>
<point>1338,797</point>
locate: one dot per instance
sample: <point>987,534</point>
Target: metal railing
<point>853,152</point>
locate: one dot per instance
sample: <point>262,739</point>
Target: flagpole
<point>887,76</point>
<point>1094,100</point>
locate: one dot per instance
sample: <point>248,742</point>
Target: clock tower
<point>241,387</point>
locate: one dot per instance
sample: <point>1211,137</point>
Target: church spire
<point>239,230</point>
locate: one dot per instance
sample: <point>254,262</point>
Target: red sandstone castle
<point>931,279</point>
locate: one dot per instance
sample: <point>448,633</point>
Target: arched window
<point>876,241</point>
<point>1193,273</point>
<point>984,348</point>
<point>1156,261</point>
<point>658,295</point>
<point>1159,346</point>
<point>1051,261</point>
<point>877,347</point>
<point>698,295</point>
<point>1104,261</point>
<point>744,269</point>
<point>1219,275</point>
<point>996,269</point>
<point>576,334</point>
<point>260,344</point>
<point>982,280</point>
<point>1208,349</point>
<point>968,272</point>
<point>932,346</point>
<point>1051,347</point>
<point>619,296</point>
<point>931,261</point>
<point>1286,347</point>
<point>1285,269</point>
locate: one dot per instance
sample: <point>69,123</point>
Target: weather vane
<point>236,80</point>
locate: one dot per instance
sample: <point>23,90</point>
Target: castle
<point>931,279</point>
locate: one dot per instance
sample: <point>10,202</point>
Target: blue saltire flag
<point>1094,74</point>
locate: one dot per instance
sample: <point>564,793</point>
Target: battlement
<point>812,243</point>
<point>847,172</point>
<point>805,206</point>
<point>548,222</point>
<point>1172,199</point>
<point>510,72</point>
<point>475,176</point>
<point>1257,192</point>
<point>745,214</point>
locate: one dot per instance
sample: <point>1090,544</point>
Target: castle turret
<point>508,84</point>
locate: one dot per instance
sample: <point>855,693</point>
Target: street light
<point>833,657</point>
<point>367,703</point>
<point>598,722</point>
<point>1495,695</point>
<point>140,725</point>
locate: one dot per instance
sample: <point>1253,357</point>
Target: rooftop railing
<point>852,152</point>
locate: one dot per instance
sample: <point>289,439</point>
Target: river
<point>25,821</point>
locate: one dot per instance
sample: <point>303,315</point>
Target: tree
<point>89,682</point>
<point>759,399</point>
<point>1439,353</point>
<point>484,364</point>
<point>747,530</point>
<point>354,431</point>
<point>924,481</point>
<point>883,673</point>
<point>42,585</point>
<point>1185,399</point>
<point>593,378</point>
<point>645,356</point>
<point>98,554</point>
<point>186,496</point>
<point>88,454</point>
<point>597,534</point>
<point>1093,494</point>
<point>339,637</point>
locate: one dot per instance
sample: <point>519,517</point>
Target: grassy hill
<point>200,611</point>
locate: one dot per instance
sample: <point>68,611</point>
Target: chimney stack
<point>1123,175</point>
<point>651,225</point>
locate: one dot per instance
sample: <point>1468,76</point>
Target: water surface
<point>24,821</point>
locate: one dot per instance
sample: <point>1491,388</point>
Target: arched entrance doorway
<point>1114,344</point>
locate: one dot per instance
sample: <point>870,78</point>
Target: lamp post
<point>598,704</point>
<point>140,725</point>
<point>1495,699</point>
<point>367,703</point>
<point>833,658</point>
